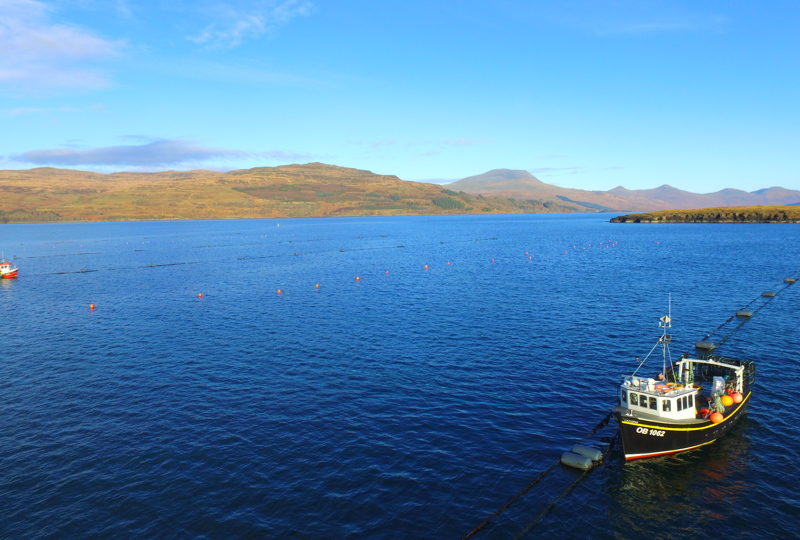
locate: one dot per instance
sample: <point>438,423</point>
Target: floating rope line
<point>564,493</point>
<point>85,271</point>
<point>764,301</point>
<point>603,423</point>
<point>243,258</point>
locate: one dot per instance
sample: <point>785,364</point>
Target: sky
<point>587,94</point>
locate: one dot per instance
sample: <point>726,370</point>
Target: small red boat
<point>6,272</point>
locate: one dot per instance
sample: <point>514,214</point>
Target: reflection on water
<point>701,486</point>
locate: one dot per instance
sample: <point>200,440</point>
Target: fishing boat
<point>692,402</point>
<point>6,272</point>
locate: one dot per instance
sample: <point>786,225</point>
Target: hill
<point>522,184</point>
<point>750,214</point>
<point>311,190</point>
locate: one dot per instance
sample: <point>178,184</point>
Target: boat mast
<point>666,322</point>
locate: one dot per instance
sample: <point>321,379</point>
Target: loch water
<point>441,365</point>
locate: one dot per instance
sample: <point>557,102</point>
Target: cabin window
<point>634,399</point>
<point>679,404</point>
<point>654,403</point>
<point>624,395</point>
<point>690,401</point>
<point>667,405</point>
<point>685,406</point>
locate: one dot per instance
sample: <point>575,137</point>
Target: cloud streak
<point>158,153</point>
<point>37,54</point>
<point>241,26</point>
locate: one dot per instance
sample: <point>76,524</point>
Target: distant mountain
<point>523,185</point>
<point>319,190</point>
<point>310,190</point>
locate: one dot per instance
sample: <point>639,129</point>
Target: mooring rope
<point>777,289</point>
<point>564,493</point>
<point>603,423</point>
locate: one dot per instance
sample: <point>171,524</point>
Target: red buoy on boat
<point>737,397</point>
<point>717,417</point>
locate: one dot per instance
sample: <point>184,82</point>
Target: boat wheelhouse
<point>6,271</point>
<point>693,402</point>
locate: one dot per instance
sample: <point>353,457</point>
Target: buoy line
<point>746,313</point>
<point>243,258</point>
<point>603,423</point>
<point>564,493</point>
<point>85,271</point>
<point>214,246</point>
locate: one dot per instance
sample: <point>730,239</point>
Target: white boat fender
<point>576,461</point>
<point>587,451</point>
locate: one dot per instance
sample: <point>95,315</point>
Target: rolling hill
<point>311,190</point>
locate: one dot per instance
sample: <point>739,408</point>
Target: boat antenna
<point>666,322</point>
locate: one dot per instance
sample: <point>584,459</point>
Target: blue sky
<point>584,94</point>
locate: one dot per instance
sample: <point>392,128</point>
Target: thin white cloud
<point>46,111</point>
<point>679,24</point>
<point>36,53</point>
<point>551,171</point>
<point>158,153</point>
<point>463,142</point>
<point>632,17</point>
<point>240,26</point>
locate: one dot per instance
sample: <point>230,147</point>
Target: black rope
<point>603,423</point>
<point>564,493</point>
<point>778,288</point>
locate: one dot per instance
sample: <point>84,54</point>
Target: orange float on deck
<point>737,397</point>
<point>726,400</point>
<point>717,417</point>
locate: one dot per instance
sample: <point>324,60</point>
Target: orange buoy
<point>426,267</point>
<point>492,260</point>
<point>200,295</point>
<point>448,263</point>
<point>726,400</point>
<point>387,271</point>
<point>91,306</point>
<point>316,286</point>
<point>737,397</point>
<point>358,278</point>
<point>279,292</point>
<point>717,417</point>
<point>531,258</point>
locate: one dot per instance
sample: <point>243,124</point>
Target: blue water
<point>407,404</point>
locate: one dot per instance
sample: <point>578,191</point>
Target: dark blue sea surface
<point>409,403</point>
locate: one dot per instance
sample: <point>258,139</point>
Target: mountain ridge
<point>323,190</point>
<point>620,199</point>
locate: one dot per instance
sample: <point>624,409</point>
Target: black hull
<point>644,438</point>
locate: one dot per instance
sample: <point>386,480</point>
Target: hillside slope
<point>311,190</point>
